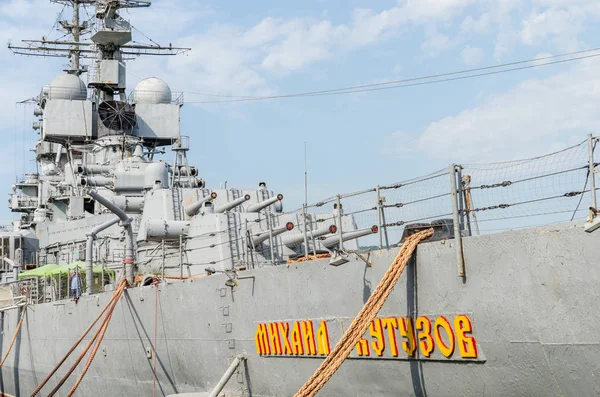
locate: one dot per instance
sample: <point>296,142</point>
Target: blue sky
<point>354,141</point>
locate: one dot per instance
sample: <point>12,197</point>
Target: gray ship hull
<point>531,296</point>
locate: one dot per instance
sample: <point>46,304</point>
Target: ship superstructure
<point>95,137</point>
<point>228,293</point>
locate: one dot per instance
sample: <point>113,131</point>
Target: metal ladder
<point>34,290</point>
<point>264,193</point>
<point>233,237</point>
<point>177,203</point>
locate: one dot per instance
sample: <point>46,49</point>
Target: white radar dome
<point>66,86</point>
<point>152,90</point>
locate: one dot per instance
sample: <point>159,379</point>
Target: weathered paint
<point>529,301</point>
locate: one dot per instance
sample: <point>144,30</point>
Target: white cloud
<point>472,56</point>
<point>428,10</point>
<point>436,44</point>
<point>22,77</point>
<point>562,25</point>
<point>397,68</point>
<point>530,118</point>
<point>34,11</point>
<point>229,60</point>
<point>478,25</point>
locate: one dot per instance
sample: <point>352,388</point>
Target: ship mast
<point>75,49</point>
<point>75,33</point>
<point>75,28</point>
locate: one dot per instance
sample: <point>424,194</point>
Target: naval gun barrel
<point>131,204</point>
<point>192,209</point>
<point>160,229</point>
<point>296,239</point>
<point>92,169</point>
<point>263,204</point>
<point>96,180</point>
<point>259,238</point>
<point>232,204</point>
<point>333,240</point>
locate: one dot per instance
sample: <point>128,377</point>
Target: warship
<point>227,294</point>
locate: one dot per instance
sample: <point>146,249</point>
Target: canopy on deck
<point>38,271</point>
<point>56,270</point>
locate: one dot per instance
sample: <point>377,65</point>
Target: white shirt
<point>75,281</point>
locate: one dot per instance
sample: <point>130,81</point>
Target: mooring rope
<point>103,327</point>
<point>14,338</point>
<point>110,306</point>
<point>366,315</point>
<point>61,362</point>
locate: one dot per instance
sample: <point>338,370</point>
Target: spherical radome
<point>67,86</point>
<point>152,90</point>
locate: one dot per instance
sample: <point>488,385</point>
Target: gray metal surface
<point>520,293</point>
<point>520,320</point>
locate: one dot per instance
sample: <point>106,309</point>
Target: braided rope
<point>61,362</point>
<point>12,342</point>
<point>92,342</point>
<point>366,315</point>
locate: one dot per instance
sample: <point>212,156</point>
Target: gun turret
<point>192,209</point>
<point>333,240</point>
<point>232,204</point>
<point>259,238</point>
<point>184,171</point>
<point>263,204</point>
<point>296,239</point>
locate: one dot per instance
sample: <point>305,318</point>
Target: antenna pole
<point>75,32</point>
<point>304,207</point>
<point>305,178</point>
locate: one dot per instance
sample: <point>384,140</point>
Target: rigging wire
<point>528,216</point>
<point>581,197</point>
<point>140,32</point>
<point>58,16</point>
<point>536,200</point>
<point>529,226</point>
<point>15,146</point>
<point>430,79</point>
<point>510,183</point>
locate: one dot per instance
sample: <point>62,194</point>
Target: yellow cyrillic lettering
<point>426,343</point>
<point>467,345</point>
<point>297,347</point>
<point>323,338</point>
<point>407,330</point>
<point>362,348</point>
<point>274,338</point>
<point>376,331</point>
<point>309,338</point>
<point>391,324</point>
<point>262,340</point>
<point>446,350</point>
<point>285,334</point>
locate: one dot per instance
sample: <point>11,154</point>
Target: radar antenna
<point>109,34</point>
<point>117,115</point>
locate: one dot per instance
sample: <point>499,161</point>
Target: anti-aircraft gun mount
<point>97,153</point>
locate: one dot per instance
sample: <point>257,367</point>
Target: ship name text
<point>423,337</point>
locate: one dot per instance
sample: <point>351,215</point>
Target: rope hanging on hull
<point>97,341</point>
<point>12,342</point>
<point>110,306</point>
<point>360,324</point>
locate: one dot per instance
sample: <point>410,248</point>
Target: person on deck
<point>75,285</point>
